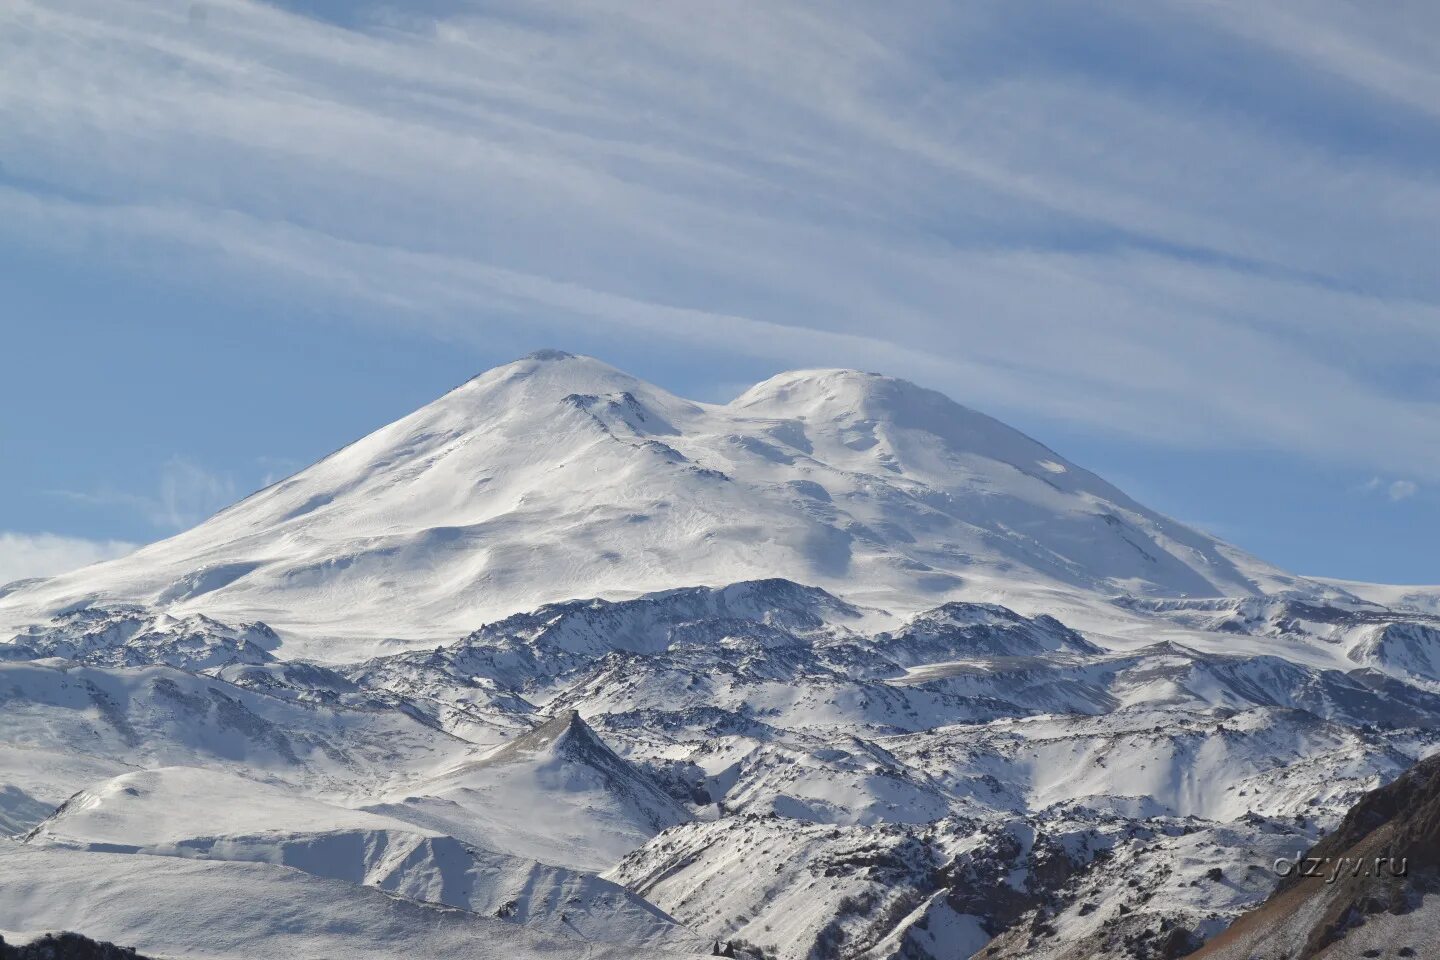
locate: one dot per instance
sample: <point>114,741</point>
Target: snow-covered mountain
<point>564,665</point>
<point>558,476</point>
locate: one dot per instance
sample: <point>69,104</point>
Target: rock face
<point>66,946</point>
<point>133,636</point>
<point>1368,889</point>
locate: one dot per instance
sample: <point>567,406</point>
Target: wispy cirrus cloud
<point>989,198</point>
<point>185,494</point>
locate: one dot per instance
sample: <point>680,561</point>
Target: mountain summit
<point>559,476</point>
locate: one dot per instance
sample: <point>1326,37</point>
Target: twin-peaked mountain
<point>557,476</point>
<point>563,665</point>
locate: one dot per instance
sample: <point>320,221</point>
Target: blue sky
<point>1190,245</point>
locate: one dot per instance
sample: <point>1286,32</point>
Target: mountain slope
<point>558,476</point>
<point>1374,890</point>
<point>208,910</point>
<point>194,813</point>
<point>557,794</point>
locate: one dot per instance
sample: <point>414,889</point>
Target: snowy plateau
<point>563,665</point>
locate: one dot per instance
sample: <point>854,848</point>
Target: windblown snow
<point>565,665</point>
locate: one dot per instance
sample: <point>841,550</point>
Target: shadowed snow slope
<point>199,909</point>
<point>206,815</point>
<point>557,794</point>
<point>558,476</point>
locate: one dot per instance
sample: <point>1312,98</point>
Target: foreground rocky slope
<point>1368,889</point>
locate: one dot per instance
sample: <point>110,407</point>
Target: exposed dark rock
<point>66,946</point>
